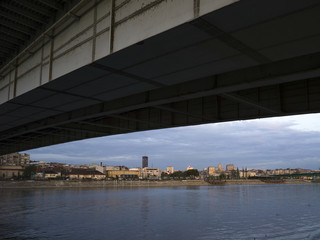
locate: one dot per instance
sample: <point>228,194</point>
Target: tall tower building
<point>220,168</point>
<point>144,161</point>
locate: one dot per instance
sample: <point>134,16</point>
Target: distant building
<point>123,168</point>
<point>220,168</point>
<point>47,174</point>
<point>39,163</point>
<point>151,173</point>
<point>135,169</point>
<point>211,171</point>
<point>93,165</point>
<point>230,167</point>
<point>189,168</point>
<point>245,173</point>
<point>7,172</point>
<point>122,174</point>
<point>108,168</point>
<point>144,161</point>
<point>100,169</point>
<point>86,174</point>
<point>170,170</point>
<point>15,159</point>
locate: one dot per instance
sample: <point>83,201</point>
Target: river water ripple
<point>197,212</point>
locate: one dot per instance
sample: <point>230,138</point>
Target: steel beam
<point>12,47</point>
<point>125,74</point>
<point>173,110</point>
<point>10,40</point>
<point>4,54</point>
<point>141,121</point>
<point>254,77</point>
<point>102,125</point>
<point>237,98</point>
<point>24,13</point>
<point>18,27</point>
<point>15,34</point>
<point>22,20</point>
<point>52,4</point>
<point>83,130</point>
<point>214,31</point>
<point>35,7</point>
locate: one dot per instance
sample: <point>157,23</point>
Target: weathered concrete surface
<point>102,28</point>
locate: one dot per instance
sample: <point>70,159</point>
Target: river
<point>194,212</point>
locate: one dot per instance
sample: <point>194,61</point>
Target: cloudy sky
<point>263,143</point>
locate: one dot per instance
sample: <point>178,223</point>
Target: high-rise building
<point>15,159</point>
<point>230,167</point>
<point>144,161</point>
<point>220,168</point>
<point>211,171</point>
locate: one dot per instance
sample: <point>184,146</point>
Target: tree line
<point>192,174</point>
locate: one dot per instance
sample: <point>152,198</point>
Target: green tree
<point>233,174</point>
<point>165,175</point>
<point>222,176</point>
<point>29,171</point>
<point>238,173</point>
<point>178,174</point>
<point>192,173</point>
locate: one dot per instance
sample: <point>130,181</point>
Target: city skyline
<point>286,142</point>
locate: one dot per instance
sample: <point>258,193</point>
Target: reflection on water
<point>206,212</point>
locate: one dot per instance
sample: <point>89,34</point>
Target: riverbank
<point>107,184</point>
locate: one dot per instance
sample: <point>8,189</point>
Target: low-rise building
<point>7,172</point>
<point>116,174</point>
<point>111,168</point>
<point>41,164</point>
<point>137,169</point>
<point>100,169</point>
<point>38,176</point>
<point>247,173</point>
<point>86,174</point>
<point>151,173</point>
<point>51,174</point>
<point>46,174</point>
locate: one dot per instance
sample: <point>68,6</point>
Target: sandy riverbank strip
<point>29,184</point>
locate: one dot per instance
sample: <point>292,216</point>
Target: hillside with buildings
<point>20,166</point>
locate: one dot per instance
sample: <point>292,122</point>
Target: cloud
<point>263,143</point>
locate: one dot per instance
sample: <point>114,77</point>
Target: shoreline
<point>56,184</point>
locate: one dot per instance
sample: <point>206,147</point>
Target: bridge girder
<point>225,65</point>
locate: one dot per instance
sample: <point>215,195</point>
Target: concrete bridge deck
<point>114,67</point>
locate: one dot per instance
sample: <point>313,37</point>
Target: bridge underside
<point>263,63</point>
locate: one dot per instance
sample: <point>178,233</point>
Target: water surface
<point>198,212</point>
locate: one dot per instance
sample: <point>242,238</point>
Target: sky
<point>269,143</point>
